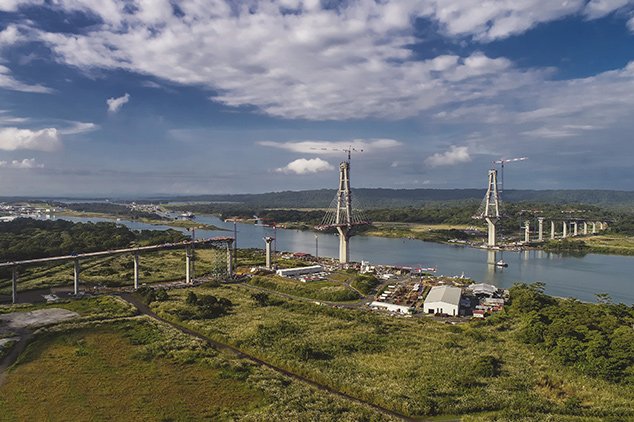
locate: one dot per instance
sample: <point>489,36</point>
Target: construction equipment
<point>348,150</point>
<point>502,162</point>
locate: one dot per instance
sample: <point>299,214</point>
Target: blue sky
<point>143,97</point>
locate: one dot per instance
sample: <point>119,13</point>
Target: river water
<point>564,275</point>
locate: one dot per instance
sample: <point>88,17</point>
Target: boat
<point>501,263</point>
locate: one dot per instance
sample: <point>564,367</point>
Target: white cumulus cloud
<point>12,139</point>
<point>455,155</point>
<point>306,166</point>
<point>27,163</point>
<point>115,104</point>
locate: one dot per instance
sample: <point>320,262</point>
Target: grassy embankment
<point>416,366</point>
<point>609,243</point>
<point>118,270</point>
<point>138,369</point>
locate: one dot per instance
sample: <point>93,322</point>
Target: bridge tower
<point>490,209</point>
<point>342,215</point>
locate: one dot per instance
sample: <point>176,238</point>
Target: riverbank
<point>184,224</point>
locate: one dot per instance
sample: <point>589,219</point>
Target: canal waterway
<point>564,275</point>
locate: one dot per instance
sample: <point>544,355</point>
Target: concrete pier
<point>76,279</point>
<point>575,230</point>
<point>585,227</point>
<point>344,247</point>
<point>527,231</point>
<point>552,230</point>
<point>600,226</point>
<point>540,229</point>
<point>565,230</point>
<point>268,241</point>
<point>594,227</point>
<point>136,271</point>
<point>14,285</point>
<point>188,265</point>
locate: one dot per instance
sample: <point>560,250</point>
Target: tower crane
<point>502,162</point>
<point>348,150</point>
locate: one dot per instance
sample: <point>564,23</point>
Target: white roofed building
<point>443,300</point>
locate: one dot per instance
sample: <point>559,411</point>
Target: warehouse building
<point>443,300</point>
<point>293,272</point>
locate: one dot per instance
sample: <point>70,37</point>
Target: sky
<point>147,97</point>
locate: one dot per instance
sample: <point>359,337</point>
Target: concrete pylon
<point>585,227</point>
<point>565,230</point>
<point>14,285</point>
<point>188,265</point>
<point>343,220</point>
<point>552,230</point>
<point>136,271</point>
<point>268,241</point>
<point>490,208</point>
<point>527,231</point>
<point>575,230</point>
<point>601,225</point>
<point>594,227</point>
<point>76,271</point>
<point>540,229</point>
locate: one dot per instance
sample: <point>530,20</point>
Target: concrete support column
<point>229,261</point>
<point>565,230</point>
<point>540,229</point>
<point>136,270</point>
<point>76,273</point>
<point>552,229</point>
<point>188,265</point>
<point>585,227</point>
<point>344,248</point>
<point>14,285</point>
<point>575,231</point>
<point>527,231</point>
<point>491,231</point>
<point>268,241</point>
<point>594,227</point>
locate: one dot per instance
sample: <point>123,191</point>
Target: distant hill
<point>387,198</point>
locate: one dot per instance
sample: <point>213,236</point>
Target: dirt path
<point>145,310</point>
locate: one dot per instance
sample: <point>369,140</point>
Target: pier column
<point>540,229</point>
<point>585,227</point>
<point>229,260</point>
<point>14,285</point>
<point>268,241</point>
<point>136,271</point>
<point>491,222</point>
<point>565,230</point>
<point>600,225</point>
<point>594,227</point>
<point>188,265</point>
<point>527,231</point>
<point>344,248</point>
<point>76,273</point>
<point>552,229</point>
<point>575,232</point>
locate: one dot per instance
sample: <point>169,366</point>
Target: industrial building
<point>392,307</point>
<point>443,300</point>
<point>293,272</point>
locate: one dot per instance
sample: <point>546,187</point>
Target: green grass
<point>99,307</point>
<point>118,270</point>
<point>415,366</point>
<point>319,290</point>
<point>139,370</point>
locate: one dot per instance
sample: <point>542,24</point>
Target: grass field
<point>611,243</point>
<point>118,271</point>
<point>333,291</point>
<point>415,366</point>
<point>140,370</point>
<point>427,232</point>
